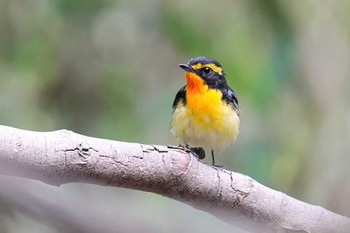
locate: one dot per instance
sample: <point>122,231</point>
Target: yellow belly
<point>205,121</point>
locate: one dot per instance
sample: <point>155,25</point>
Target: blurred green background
<point>108,68</point>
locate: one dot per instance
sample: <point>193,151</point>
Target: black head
<point>208,69</point>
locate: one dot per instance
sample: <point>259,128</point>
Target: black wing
<point>230,97</point>
<point>180,96</point>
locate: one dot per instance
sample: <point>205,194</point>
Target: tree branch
<point>63,156</point>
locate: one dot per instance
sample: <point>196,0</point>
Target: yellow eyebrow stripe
<point>214,67</point>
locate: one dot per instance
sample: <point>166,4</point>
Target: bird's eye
<point>206,70</point>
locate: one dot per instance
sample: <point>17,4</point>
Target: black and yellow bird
<point>205,111</point>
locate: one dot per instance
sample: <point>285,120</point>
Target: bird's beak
<point>186,67</point>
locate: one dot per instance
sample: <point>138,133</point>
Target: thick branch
<point>63,156</point>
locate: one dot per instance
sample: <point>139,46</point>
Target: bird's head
<point>204,70</point>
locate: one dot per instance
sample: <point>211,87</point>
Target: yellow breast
<point>205,120</point>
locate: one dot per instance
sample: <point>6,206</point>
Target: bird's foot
<point>221,167</point>
<point>198,152</point>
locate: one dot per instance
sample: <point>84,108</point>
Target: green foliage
<point>184,35</point>
<point>80,9</point>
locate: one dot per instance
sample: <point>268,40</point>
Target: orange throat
<point>199,97</point>
<point>195,84</point>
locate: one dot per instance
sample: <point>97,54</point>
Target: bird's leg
<point>212,156</point>
<point>215,165</point>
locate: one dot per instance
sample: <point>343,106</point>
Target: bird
<point>206,113</point>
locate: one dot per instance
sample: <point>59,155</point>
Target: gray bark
<point>63,156</point>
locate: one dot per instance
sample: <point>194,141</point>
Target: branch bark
<point>63,156</point>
